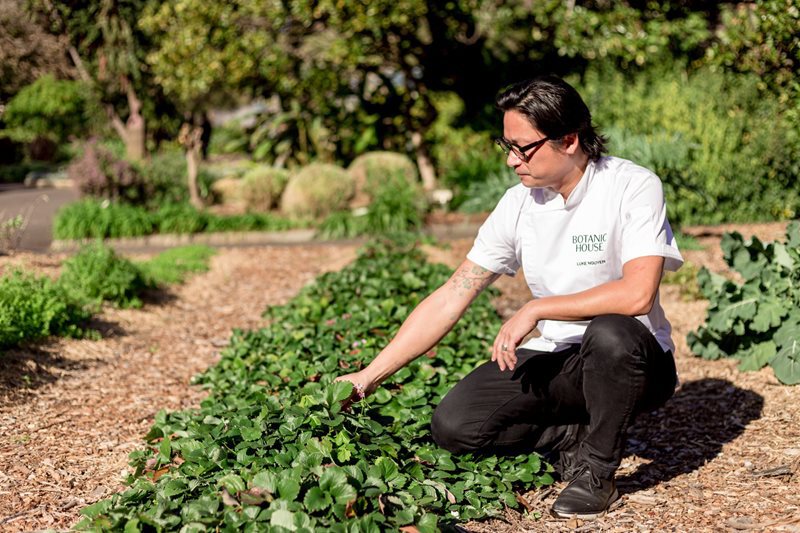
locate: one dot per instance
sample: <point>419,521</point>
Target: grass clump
<point>396,208</point>
<point>94,219</point>
<point>175,265</point>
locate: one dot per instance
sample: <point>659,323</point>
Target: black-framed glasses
<point>519,151</point>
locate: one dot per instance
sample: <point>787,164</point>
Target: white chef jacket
<point>615,213</point>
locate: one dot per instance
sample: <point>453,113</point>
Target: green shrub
<point>713,138</point>
<point>270,446</point>
<point>261,187</point>
<point>93,219</point>
<point>482,196</point>
<point>371,170</point>
<point>48,108</point>
<point>317,190</point>
<point>228,139</point>
<point>397,207</point>
<point>174,265</point>
<point>166,176</point>
<point>756,321</point>
<point>686,280</point>
<point>35,307</point>
<point>179,218</point>
<point>96,274</point>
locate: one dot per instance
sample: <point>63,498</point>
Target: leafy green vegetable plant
<point>96,274</point>
<point>758,320</point>
<point>271,449</point>
<point>34,307</point>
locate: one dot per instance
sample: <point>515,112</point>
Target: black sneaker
<point>586,497</point>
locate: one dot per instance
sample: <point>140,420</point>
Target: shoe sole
<point>587,516</point>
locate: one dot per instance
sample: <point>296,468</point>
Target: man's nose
<point>512,159</point>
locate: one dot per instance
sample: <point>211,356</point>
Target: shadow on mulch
<point>26,369</point>
<point>33,365</point>
<point>160,296</point>
<point>688,431</point>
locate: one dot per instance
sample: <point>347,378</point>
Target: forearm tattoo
<point>472,279</point>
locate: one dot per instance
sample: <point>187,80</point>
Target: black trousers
<point>586,395</point>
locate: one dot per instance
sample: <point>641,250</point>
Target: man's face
<point>547,164</point>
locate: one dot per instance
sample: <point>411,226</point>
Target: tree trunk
<point>132,131</point>
<point>426,169</point>
<point>191,139</point>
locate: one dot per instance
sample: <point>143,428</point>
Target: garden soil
<point>722,455</point>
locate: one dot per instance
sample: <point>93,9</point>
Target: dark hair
<point>556,109</point>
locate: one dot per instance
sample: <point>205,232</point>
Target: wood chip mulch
<point>72,410</point>
<point>722,455</point>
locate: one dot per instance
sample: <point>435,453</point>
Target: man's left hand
<point>511,334</point>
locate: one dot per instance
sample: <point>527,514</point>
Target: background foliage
<point>705,93</point>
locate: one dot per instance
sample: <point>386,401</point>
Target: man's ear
<point>570,143</point>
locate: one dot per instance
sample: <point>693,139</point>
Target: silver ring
<point>504,347</point>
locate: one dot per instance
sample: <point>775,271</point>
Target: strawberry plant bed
<point>272,447</point>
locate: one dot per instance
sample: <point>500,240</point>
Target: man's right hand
<point>363,386</point>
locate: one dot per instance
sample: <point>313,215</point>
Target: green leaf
<point>283,518</point>
<point>339,391</point>
<point>770,313</point>
<point>786,363</point>
<point>96,509</point>
<point>165,451</point>
<point>789,330</point>
<point>758,356</point>
<point>793,235</point>
<point>343,494</point>
<point>288,489</point>
<point>232,482</point>
<point>132,526</point>
<point>343,455</point>
<point>429,523</point>
<point>317,500</point>
<point>387,468</point>
<point>782,256</point>
<point>251,434</point>
<point>266,480</point>
<point>173,487</point>
<point>332,477</point>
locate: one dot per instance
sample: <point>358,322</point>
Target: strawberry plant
<point>271,449</point>
<point>758,320</point>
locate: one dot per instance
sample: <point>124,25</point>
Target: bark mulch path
<point>72,410</point>
<point>722,455</point>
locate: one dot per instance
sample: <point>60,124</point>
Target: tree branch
<point>76,59</point>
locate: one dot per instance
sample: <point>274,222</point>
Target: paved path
<point>39,207</point>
